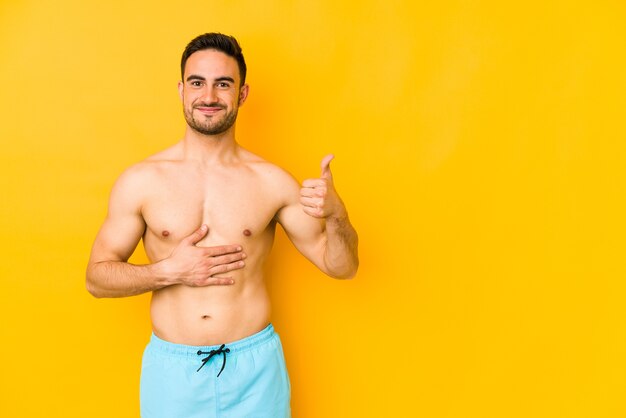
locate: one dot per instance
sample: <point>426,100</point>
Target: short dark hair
<point>220,42</point>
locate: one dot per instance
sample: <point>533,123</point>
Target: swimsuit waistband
<point>182,350</point>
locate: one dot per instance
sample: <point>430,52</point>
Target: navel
<point>247,232</point>
<point>206,316</point>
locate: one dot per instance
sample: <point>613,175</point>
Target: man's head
<point>213,83</point>
<point>219,42</point>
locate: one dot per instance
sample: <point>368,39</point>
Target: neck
<point>220,148</point>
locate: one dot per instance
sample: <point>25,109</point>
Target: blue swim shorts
<point>243,379</point>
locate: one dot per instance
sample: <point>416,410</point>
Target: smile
<point>208,110</point>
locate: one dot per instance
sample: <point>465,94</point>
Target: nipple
<point>165,233</point>
<point>247,232</point>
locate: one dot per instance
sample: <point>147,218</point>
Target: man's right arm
<point>110,275</point>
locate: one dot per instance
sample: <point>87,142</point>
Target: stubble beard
<point>206,125</point>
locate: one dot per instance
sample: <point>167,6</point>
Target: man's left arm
<point>316,221</point>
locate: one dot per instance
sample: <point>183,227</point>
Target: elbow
<point>352,273</point>
<point>91,286</point>
<point>92,289</point>
<point>353,269</point>
<point>347,274</point>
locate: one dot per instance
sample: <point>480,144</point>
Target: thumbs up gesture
<point>318,196</point>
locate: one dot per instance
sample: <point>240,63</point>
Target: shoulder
<point>136,181</point>
<point>272,174</point>
<point>276,181</point>
<point>143,172</point>
<point>128,190</point>
<point>136,176</point>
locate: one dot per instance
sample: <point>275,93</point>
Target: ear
<point>243,93</point>
<point>181,90</point>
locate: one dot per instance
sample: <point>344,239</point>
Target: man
<point>207,209</point>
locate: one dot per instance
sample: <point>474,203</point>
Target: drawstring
<point>214,353</point>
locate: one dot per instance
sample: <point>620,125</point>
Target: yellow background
<point>480,150</point>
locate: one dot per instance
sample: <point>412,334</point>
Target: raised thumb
<point>326,166</point>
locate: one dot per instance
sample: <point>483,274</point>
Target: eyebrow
<point>195,77</point>
<point>199,77</point>
<point>225,79</point>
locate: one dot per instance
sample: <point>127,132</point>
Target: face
<point>210,92</point>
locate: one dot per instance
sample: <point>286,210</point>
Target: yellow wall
<point>481,151</point>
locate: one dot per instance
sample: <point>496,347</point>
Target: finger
<point>228,258</point>
<point>224,268</point>
<point>313,192</point>
<point>215,281</point>
<point>197,235</point>
<point>326,174</point>
<point>220,250</point>
<point>312,183</point>
<point>311,202</point>
<point>314,212</point>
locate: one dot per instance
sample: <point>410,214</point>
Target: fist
<point>318,196</point>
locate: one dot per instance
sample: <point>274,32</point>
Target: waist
<point>191,351</point>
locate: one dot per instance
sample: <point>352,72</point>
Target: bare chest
<point>236,209</point>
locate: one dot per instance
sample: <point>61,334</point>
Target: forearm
<point>341,257</point>
<point>114,279</point>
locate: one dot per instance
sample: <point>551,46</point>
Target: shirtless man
<point>207,209</point>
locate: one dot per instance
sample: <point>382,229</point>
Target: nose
<point>210,94</point>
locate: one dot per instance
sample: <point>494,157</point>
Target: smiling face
<point>210,92</point>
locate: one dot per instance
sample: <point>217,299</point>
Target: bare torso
<point>207,179</point>
<point>238,201</point>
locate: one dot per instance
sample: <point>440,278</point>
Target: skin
<point>207,209</point>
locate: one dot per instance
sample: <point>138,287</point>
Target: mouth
<point>208,110</point>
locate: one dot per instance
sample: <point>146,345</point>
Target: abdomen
<point>212,314</point>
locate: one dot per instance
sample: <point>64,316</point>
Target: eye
<point>223,85</point>
<point>196,83</point>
